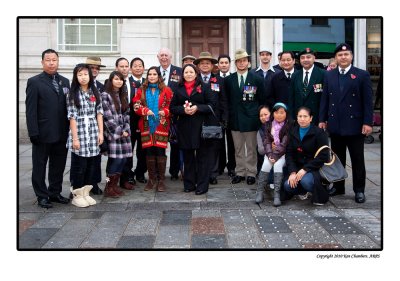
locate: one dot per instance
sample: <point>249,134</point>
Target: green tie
<point>241,85</point>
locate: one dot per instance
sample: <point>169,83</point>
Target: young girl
<point>264,113</point>
<point>275,142</point>
<point>117,131</point>
<point>85,116</point>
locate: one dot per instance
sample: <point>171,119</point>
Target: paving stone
<point>297,217</point>
<point>107,231</point>
<point>281,240</point>
<point>23,225</point>
<point>87,215</point>
<point>35,238</point>
<point>207,226</point>
<point>71,235</point>
<point>170,236</point>
<point>205,213</point>
<point>136,242</point>
<point>146,214</point>
<point>208,242</point>
<point>325,213</point>
<point>176,217</point>
<point>228,205</point>
<point>311,233</point>
<point>321,246</point>
<point>140,227</point>
<point>52,220</point>
<point>237,217</point>
<point>338,225</point>
<point>272,224</point>
<point>248,238</point>
<point>356,241</point>
<point>164,206</point>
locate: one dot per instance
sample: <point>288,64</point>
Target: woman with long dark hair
<point>85,116</point>
<point>151,103</point>
<point>192,103</point>
<point>117,131</point>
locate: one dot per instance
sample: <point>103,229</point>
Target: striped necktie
<point>55,84</point>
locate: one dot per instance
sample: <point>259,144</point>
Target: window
<point>319,21</point>
<point>87,35</point>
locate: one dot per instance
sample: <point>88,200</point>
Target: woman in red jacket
<point>151,103</point>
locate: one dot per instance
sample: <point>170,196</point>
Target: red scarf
<point>189,86</point>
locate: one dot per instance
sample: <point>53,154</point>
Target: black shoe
<point>231,173</point>
<point>333,192</point>
<point>237,179</point>
<point>132,181</point>
<point>200,192</point>
<point>95,190</point>
<point>174,177</point>
<point>189,189</point>
<point>59,199</point>
<point>360,197</point>
<point>251,180</point>
<point>44,203</point>
<point>213,181</point>
<point>141,179</point>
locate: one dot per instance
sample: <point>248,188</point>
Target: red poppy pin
<point>198,89</point>
<point>353,76</point>
<point>213,79</point>
<point>299,149</point>
<point>133,85</point>
<point>92,98</point>
<point>174,72</point>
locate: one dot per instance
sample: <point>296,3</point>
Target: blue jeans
<point>305,184</point>
<point>115,165</point>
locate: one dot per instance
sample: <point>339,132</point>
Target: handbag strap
<point>212,111</point>
<point>319,150</point>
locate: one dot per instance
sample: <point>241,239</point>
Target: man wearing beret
<point>245,92</point>
<point>346,111</point>
<point>306,86</point>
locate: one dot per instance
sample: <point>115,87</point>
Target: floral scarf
<point>152,104</point>
<point>277,128</point>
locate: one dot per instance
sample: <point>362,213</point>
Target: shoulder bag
<point>211,132</point>
<point>332,171</point>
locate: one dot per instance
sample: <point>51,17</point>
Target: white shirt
<point>167,71</point>
<point>345,70</point>
<point>226,74</point>
<point>291,73</point>
<point>309,73</point>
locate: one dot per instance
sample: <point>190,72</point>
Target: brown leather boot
<point>116,186</point>
<point>109,189</point>
<point>127,185</point>
<point>151,169</point>
<point>161,167</point>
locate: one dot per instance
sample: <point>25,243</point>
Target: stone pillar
<point>360,43</point>
<point>270,36</point>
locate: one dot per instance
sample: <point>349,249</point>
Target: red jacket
<point>160,136</point>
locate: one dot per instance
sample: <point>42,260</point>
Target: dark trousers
<point>154,151</point>
<point>231,165</point>
<point>82,170</point>
<point>222,155</point>
<point>196,168</point>
<point>214,155</point>
<point>174,160</point>
<point>355,144</point>
<point>140,170</point>
<point>56,154</point>
<point>115,165</point>
<point>96,176</point>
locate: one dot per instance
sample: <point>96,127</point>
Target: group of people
<point>274,119</point>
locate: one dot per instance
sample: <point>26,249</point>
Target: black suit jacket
<point>99,86</point>
<point>280,87</point>
<point>135,85</point>
<point>46,109</point>
<point>175,74</point>
<point>267,83</point>
<point>216,84</point>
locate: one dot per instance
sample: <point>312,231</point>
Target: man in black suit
<point>224,66</point>
<point>205,63</point>
<point>280,83</point>
<point>346,111</point>
<point>171,75</point>
<point>46,119</point>
<point>135,81</point>
<point>95,64</point>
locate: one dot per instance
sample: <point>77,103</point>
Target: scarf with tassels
<point>152,104</point>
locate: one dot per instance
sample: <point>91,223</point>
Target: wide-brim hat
<point>343,47</point>
<point>94,61</point>
<point>240,54</point>
<point>205,56</point>
<point>188,57</point>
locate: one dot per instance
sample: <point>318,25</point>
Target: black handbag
<point>332,171</point>
<point>104,146</point>
<point>211,132</point>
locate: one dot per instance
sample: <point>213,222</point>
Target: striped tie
<point>55,84</point>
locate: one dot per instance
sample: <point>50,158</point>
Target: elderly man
<point>346,111</point>
<point>171,75</point>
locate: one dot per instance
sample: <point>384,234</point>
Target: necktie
<point>205,79</point>
<point>224,75</point>
<point>288,75</point>
<point>341,79</point>
<point>342,70</point>
<point>305,82</point>
<point>55,84</point>
<point>241,85</point>
<point>163,74</point>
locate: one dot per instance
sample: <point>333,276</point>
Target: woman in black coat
<point>191,104</point>
<point>304,140</point>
